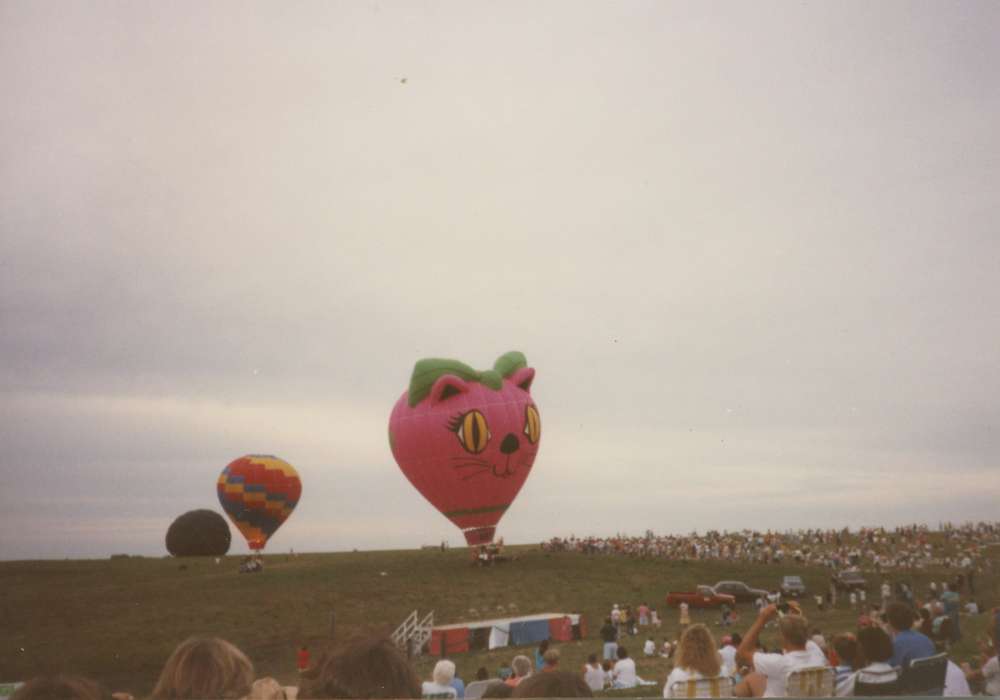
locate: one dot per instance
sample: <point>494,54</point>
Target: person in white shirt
<point>696,658</point>
<point>989,671</point>
<point>440,688</point>
<point>593,674</point>
<point>624,672</point>
<point>768,671</point>
<point>728,653</point>
<point>649,648</point>
<point>955,683</point>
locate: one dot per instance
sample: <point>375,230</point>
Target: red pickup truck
<point>704,597</point>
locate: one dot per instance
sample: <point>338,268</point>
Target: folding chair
<point>475,689</point>
<point>867,689</point>
<point>719,687</point>
<point>877,683</point>
<point>810,682</point>
<point>925,676</point>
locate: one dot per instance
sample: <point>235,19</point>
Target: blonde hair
<point>697,651</point>
<point>266,689</point>
<point>204,668</point>
<point>521,665</point>
<point>794,630</point>
<point>444,672</point>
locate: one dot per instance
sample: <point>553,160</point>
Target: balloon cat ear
<point>523,378</point>
<point>447,386</point>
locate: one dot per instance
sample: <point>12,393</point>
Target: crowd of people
<point>872,658</point>
<point>375,668</point>
<point>913,547</point>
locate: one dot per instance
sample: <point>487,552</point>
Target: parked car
<point>741,592</point>
<point>792,586</point>
<point>703,597</point>
<point>850,580</point>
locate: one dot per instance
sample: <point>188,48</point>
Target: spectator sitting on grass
<point>371,667</point>
<point>593,675</point>
<point>624,672</point>
<point>697,658</point>
<point>769,670</point>
<point>667,649</point>
<point>205,668</point>
<point>623,675</point>
<point>907,644</point>
<point>521,665</point>
<point>649,648</point>
<point>557,684</point>
<point>440,687</point>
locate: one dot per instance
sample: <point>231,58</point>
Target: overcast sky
<point>751,250</point>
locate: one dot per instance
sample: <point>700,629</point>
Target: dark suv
<point>739,590</point>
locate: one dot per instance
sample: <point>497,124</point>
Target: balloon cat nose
<point>509,444</point>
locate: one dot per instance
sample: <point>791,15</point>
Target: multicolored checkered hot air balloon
<point>258,493</point>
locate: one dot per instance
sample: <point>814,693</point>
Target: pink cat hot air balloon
<point>466,439</point>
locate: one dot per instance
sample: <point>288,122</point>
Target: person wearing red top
<point>302,659</point>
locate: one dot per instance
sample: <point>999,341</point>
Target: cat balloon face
<point>467,439</point>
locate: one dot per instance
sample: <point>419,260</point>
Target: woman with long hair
<point>696,657</point>
<point>365,667</point>
<point>205,668</point>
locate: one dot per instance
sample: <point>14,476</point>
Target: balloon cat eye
<point>472,430</point>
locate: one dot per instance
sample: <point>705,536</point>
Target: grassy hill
<point>118,620</point>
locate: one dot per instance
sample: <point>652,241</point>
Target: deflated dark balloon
<point>199,533</point>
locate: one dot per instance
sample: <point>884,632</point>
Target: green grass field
<point>118,620</point>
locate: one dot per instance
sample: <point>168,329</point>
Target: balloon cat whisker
<point>473,475</point>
